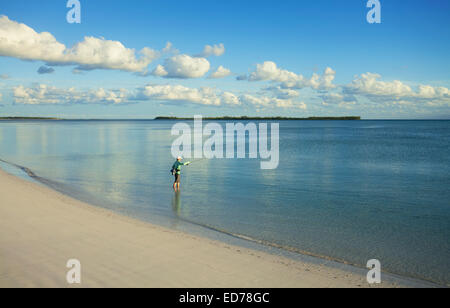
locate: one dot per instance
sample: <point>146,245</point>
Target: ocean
<point>348,191</point>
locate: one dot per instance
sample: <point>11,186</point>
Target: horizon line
<point>162,118</point>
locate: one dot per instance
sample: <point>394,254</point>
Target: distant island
<point>27,118</point>
<point>244,118</point>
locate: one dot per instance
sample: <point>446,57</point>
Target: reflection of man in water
<point>176,203</point>
<point>176,171</point>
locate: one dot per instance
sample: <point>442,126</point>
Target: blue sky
<point>396,69</point>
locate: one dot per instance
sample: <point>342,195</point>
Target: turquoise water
<point>351,191</point>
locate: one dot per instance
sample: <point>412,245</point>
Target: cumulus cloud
<point>221,72</point>
<point>45,70</point>
<point>332,98</point>
<point>20,41</point>
<point>271,102</point>
<point>215,50</point>
<point>338,99</point>
<point>170,49</point>
<point>283,93</point>
<point>178,93</point>
<point>370,86</point>
<point>183,66</point>
<point>326,80</point>
<point>44,94</point>
<point>95,53</point>
<point>4,76</point>
<point>269,71</point>
<point>231,99</point>
<point>160,71</point>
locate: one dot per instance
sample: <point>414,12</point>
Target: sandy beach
<point>40,230</point>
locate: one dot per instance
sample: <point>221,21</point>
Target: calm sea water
<point>352,191</point>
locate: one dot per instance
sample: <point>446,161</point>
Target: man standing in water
<point>176,171</point>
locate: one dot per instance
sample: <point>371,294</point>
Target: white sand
<point>41,229</point>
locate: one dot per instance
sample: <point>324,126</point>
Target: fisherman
<point>176,171</point>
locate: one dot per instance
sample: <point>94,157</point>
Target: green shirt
<point>177,166</point>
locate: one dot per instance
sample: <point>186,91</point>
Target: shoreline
<point>222,264</point>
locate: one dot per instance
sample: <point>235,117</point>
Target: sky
<point>141,59</point>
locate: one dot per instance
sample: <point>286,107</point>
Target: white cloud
<point>4,76</point>
<point>20,41</point>
<point>337,98</point>
<point>44,94</point>
<point>170,49</point>
<point>271,102</point>
<point>369,86</point>
<point>325,81</point>
<point>160,71</point>
<point>211,97</point>
<point>183,66</point>
<point>215,50</point>
<point>221,72</point>
<point>332,98</point>
<point>230,99</point>
<point>283,93</point>
<point>94,53</point>
<point>178,93</point>
<point>302,105</point>
<point>106,96</point>
<point>269,71</point>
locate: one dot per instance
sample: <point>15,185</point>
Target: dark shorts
<point>177,178</point>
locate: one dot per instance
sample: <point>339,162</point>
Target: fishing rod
<point>198,160</point>
<point>190,163</point>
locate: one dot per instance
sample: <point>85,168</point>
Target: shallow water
<point>349,190</point>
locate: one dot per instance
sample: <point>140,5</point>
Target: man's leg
<point>175,182</point>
